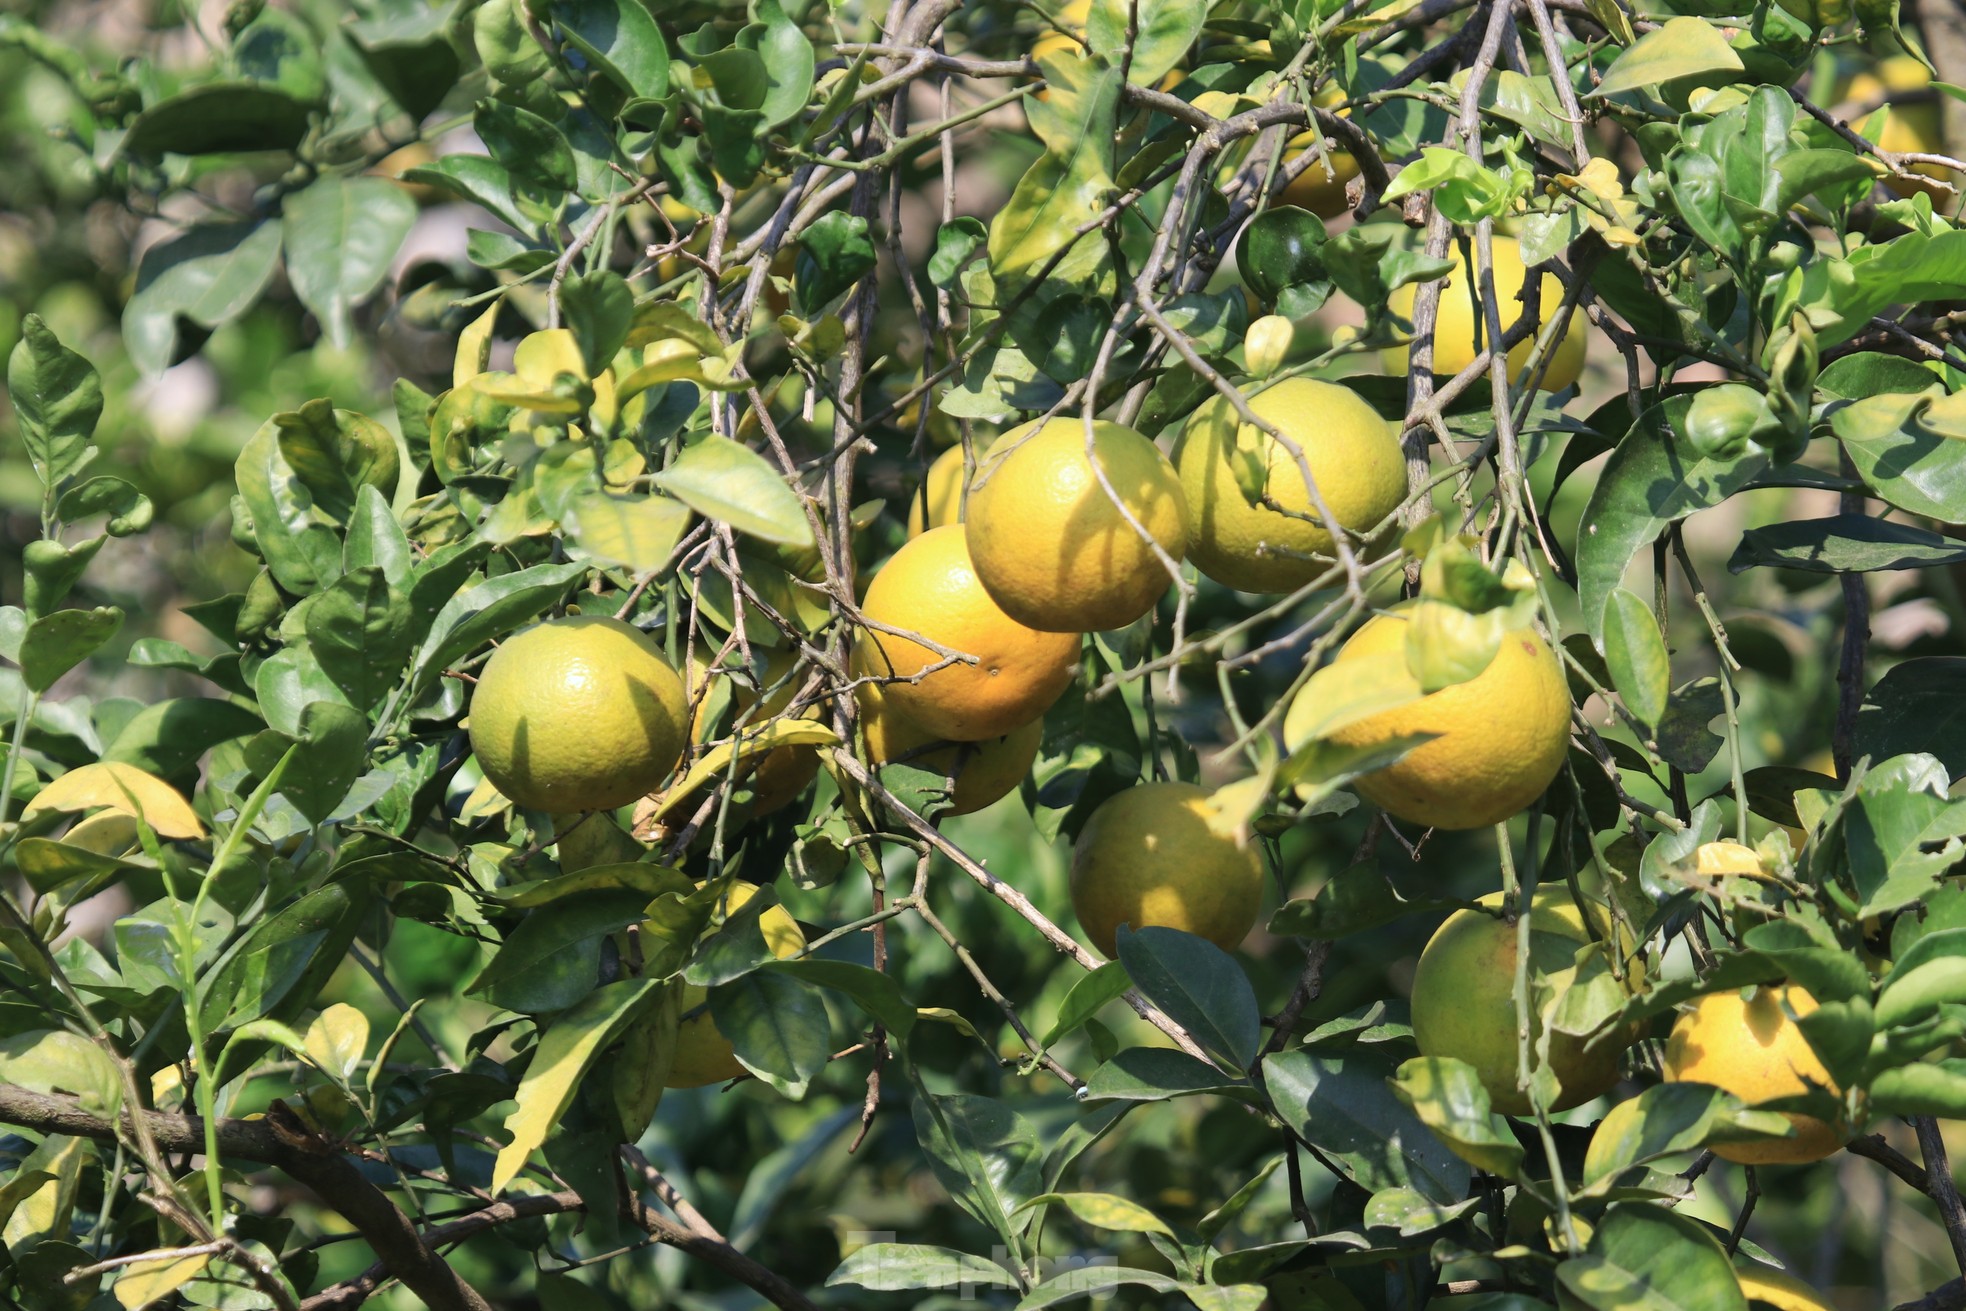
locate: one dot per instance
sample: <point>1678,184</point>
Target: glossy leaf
<point>1448,1097</point>
<point>488,610</point>
<point>1635,652</point>
<point>342,235</point>
<point>219,118</point>
<point>1681,47</point>
<point>56,643</point>
<point>621,39</point>
<point>210,274</point>
<point>775,1023</point>
<point>1340,1105</point>
<point>1201,988</point>
<point>722,480</point>
<point>57,400</point>
<point>553,958</point>
<point>984,1153</point>
<point>1647,1256</point>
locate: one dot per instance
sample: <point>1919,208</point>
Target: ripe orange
<point>1751,1048</point>
<point>939,500</point>
<point>1159,855</point>
<point>1050,545</point>
<point>1502,737</point>
<point>1464,998</point>
<point>929,587</point>
<point>1353,453</point>
<point>985,771</point>
<point>577,714</point>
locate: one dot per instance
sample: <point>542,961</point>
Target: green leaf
<point>127,511</point>
<point>1667,1119</point>
<point>1649,482</point>
<point>1635,652</point>
<point>956,242</point>
<point>873,991</point>
<point>277,49</point>
<point>1095,1281</point>
<point>1448,1097</point>
<point>560,1065</point>
<point>723,480</point>
<point>375,540</point>
<point>898,1267</point>
<point>1908,450</point>
<point>1921,1089</point>
<point>1409,1214</point>
<point>1152,1074</point>
<point>599,309</point>
<point>169,737</point>
<point>1872,373</point>
<point>621,39</point>
<point>787,58</point>
<point>210,274</point>
<point>984,1153</point>
<point>534,153</point>
<point>359,629</point>
<point>1106,1211</point>
<point>553,959</point>
<point>1339,1105</point>
<point>1682,47</point>
<point>1356,898</point>
<point>1155,34</point>
<point>342,235</point>
<point>636,531</point>
<point>835,253</point>
<point>1087,998</point>
<point>490,609</point>
<point>1201,988</point>
<point>1684,733</point>
<point>776,1024</point>
<point>60,1062</point>
<point>1067,188</point>
<point>57,398</point>
<point>1918,706</point>
<point>1901,833</point>
<point>1643,1256</point>
<point>1844,544</point>
<point>277,969</point>
<point>219,118</point>
<point>481,180</point>
<point>56,643</point>
<point>333,743</point>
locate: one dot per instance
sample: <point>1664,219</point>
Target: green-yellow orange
<point>1460,326</point>
<point>984,771</point>
<point>1227,466</point>
<point>577,714</point>
<point>1159,855</point>
<point>1464,998</point>
<point>1750,1047</point>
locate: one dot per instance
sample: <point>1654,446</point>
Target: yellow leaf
<point>123,788</point>
<point>1231,809</point>
<point>717,760</point>
<point>151,1281</point>
<point>337,1040</point>
<point>484,800</point>
<point>561,1062</point>
<point>1107,1211</point>
<point>474,347</point>
<point>543,356</point>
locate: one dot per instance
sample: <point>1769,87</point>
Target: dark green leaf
<point>56,643</point>
<point>209,274</point>
<point>775,1023</point>
<point>1919,706</point>
<point>553,958</point>
<point>1907,453</point>
<point>1357,897</point>
<point>1647,1256</point>
<point>1844,543</point>
<point>985,1154</point>
<point>360,631</point>
<point>1151,1074</point>
<point>1340,1105</point>
<point>1284,247</point>
<point>1448,1097</point>
<point>599,309</point>
<point>1201,988</point>
<point>333,751</point>
<point>169,737</point>
<point>1685,734</point>
<point>787,58</point>
<point>491,609</point>
<point>621,39</point>
<point>219,118</point>
<point>834,253</point>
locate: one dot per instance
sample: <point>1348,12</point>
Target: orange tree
<point>761,600</point>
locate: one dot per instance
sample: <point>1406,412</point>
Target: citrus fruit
<point>984,771</point>
<point>1321,187</point>
<point>1464,998</point>
<point>1050,545</point>
<point>929,587</point>
<point>939,500</point>
<point>1159,855</point>
<point>1771,1290</point>
<point>703,1055</point>
<point>1353,454</point>
<point>1910,128</point>
<point>1502,735</point>
<point>782,773</point>
<point>577,714</point>
<point>1751,1048</point>
<point>1460,322</point>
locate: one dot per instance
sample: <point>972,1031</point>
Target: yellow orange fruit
<point>577,714</point>
<point>1226,465</point>
<point>930,588</point>
<point>702,1054</point>
<point>1052,546</point>
<point>1460,325</point>
<point>1464,998</point>
<point>1750,1047</point>
<point>1160,855</point>
<point>1502,735</point>
<point>939,500</point>
<point>984,772</point>
<point>1910,128</point>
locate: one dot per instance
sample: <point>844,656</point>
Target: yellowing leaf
<point>337,1040</point>
<point>562,1060</point>
<point>485,799</point>
<point>717,760</point>
<point>1235,806</point>
<point>57,1061</point>
<point>1344,693</point>
<point>543,356</point>
<point>123,788</point>
<point>474,347</point>
<point>151,1281</point>
<point>1106,1211</point>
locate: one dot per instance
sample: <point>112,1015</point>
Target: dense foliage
<point>347,342</point>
